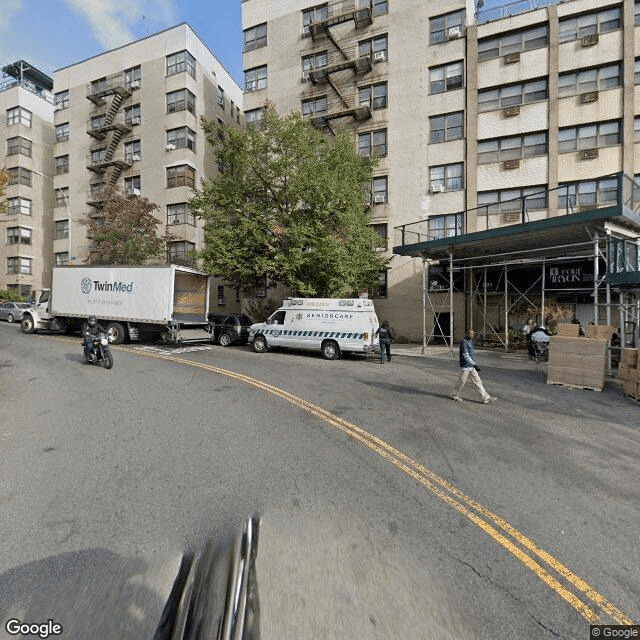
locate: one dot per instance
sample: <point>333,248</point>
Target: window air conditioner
<point>379,199</point>
<point>170,147</point>
<point>589,41</point>
<point>133,191</point>
<point>437,188</point>
<point>588,154</point>
<point>511,164</point>
<point>135,157</point>
<point>590,96</point>
<point>454,32</point>
<point>380,56</point>
<point>135,84</point>
<point>510,58</point>
<point>221,302</point>
<point>135,120</point>
<point>509,112</point>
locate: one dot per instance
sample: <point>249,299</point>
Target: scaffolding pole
<point>596,275</point>
<point>425,281</point>
<point>544,284</point>
<point>506,308</point>
<point>451,304</point>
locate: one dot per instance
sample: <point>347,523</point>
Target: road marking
<point>455,498</point>
<point>173,350</point>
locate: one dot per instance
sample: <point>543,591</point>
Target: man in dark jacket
<point>385,334</point>
<point>90,330</point>
<point>469,369</point>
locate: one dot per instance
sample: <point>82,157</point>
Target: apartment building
<point>468,116</point>
<point>26,151</point>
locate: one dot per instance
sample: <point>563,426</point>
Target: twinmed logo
<point>87,285</point>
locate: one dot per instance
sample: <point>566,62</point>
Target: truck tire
<point>260,344</point>
<point>330,350</point>
<point>27,325</point>
<point>116,333</point>
<point>224,340</point>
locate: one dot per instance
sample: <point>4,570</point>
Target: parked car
<point>12,311</point>
<point>230,328</point>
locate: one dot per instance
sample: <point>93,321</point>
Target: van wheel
<point>224,340</point>
<point>330,350</point>
<point>259,344</point>
<point>115,331</point>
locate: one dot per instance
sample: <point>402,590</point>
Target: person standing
<point>469,369</point>
<point>385,334</point>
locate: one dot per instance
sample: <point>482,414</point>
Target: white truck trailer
<point>169,301</point>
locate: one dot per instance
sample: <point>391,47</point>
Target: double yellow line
<point>489,522</point>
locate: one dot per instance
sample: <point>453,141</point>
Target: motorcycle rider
<point>90,329</point>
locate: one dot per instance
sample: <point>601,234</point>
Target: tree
<point>289,207</point>
<point>124,231</point>
<point>4,179</point>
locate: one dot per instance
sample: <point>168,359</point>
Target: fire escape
<point>343,64</point>
<point>107,125</point>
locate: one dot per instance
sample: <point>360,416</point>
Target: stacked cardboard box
<point>569,330</point>
<point>599,331</point>
<point>578,362</point>
<point>630,373</point>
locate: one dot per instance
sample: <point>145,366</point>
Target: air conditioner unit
<point>437,188</point>
<point>135,120</point>
<point>221,302</point>
<point>511,164</point>
<point>590,41</point>
<point>135,84</point>
<point>509,112</point>
<point>170,147</point>
<point>588,154</point>
<point>511,216</point>
<point>590,96</point>
<point>379,199</point>
<point>510,58</point>
<point>380,56</point>
<point>454,32</point>
<point>135,157</point>
<point>133,191</point>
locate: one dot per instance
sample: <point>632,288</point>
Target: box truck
<point>129,301</point>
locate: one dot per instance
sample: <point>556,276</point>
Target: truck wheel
<point>330,350</point>
<point>224,340</point>
<point>259,344</point>
<point>27,325</point>
<point>115,332</point>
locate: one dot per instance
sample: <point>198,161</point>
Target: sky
<point>51,34</point>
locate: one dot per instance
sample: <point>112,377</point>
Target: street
<point>520,516</point>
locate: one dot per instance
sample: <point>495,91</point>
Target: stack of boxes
<point>629,372</point>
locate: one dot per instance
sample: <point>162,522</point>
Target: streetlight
<point>66,202</point>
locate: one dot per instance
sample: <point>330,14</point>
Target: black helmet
<point>92,321</point>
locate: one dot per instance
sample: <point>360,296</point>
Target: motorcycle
<point>100,351</point>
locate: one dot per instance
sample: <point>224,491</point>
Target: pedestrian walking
<point>385,334</point>
<point>469,369</point>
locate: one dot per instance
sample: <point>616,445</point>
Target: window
<point>132,186</point>
<point>380,7</point>
<point>586,80</point>
<point>448,177</point>
<point>636,71</point>
<point>255,37</point>
<point>445,226</point>
<point>512,148</point>
<point>61,229</point>
<point>377,45</point>
<point>19,175</point>
<point>636,14</point>
<point>379,191</point>
<point>181,100</point>
<point>315,14</point>
<point>382,285</point>
<point>590,24</point>
<point>315,107</point>
<point>446,27</point>
<point>62,164</point>
<point>314,61</point>
<point>25,266</point>
<point>636,129</point>
<point>133,151</point>
<point>18,206</point>
<point>374,96</point>
<point>179,214</point>
<point>446,127</point>
<point>132,115</point>
<point>511,95</point>
<point>12,265</point>
<point>18,235</point>
<point>182,138</point>
<point>19,145</point>
<point>179,251</point>
<point>511,200</point>
<point>591,136</point>
<point>62,196</point>
<point>446,77</point>
<point>62,132</point>
<point>181,175</point>
<point>61,258</point>
<point>515,42</point>
<point>381,230</point>
<point>18,115</point>
<point>221,97</point>
<point>19,265</point>
<point>254,116</point>
<point>373,143</point>
<point>587,193</point>
<point>133,76</point>
<point>97,156</point>
<point>181,61</point>
<point>62,100</point>
<point>255,79</point>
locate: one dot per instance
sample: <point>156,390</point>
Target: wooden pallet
<point>573,386</point>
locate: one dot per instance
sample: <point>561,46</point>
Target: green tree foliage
<point>4,178</point>
<point>125,231</point>
<point>6,295</point>
<point>289,207</point>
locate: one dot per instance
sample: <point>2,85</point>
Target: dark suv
<point>230,328</point>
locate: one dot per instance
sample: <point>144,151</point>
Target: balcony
<point>117,84</point>
<point>342,107</point>
<point>99,126</point>
<point>99,163</point>
<point>340,61</point>
<point>340,12</point>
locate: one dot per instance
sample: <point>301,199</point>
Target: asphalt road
<point>387,507</point>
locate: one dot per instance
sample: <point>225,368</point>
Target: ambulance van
<point>329,325</point>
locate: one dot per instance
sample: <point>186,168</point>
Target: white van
<point>329,325</point>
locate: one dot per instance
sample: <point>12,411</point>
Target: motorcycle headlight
<point>104,341</point>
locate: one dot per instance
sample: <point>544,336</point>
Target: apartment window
<point>12,265</point>
<point>19,145</point>
<point>636,14</point>
<point>512,148</point>
<point>254,116</point>
<point>19,175</point>
<point>19,115</point>
<point>62,100</point>
<point>636,71</point>
<point>515,42</point>
<point>133,76</point>
<point>446,127</point>
<point>61,229</point>
<point>132,115</point>
<point>133,151</point>
<point>179,251</point>
<point>181,61</point>
<point>255,78</point>
<point>179,214</point>
<point>587,193</point>
<point>445,226</point>
<point>373,143</point>
<point>132,186</point>
<point>373,46</point>
<point>379,190</point>
<point>97,156</point>
<point>374,96</point>
<point>446,27</point>
<point>19,265</point>
<point>379,7</point>
<point>381,230</point>
<point>590,24</point>
<point>182,138</point>
<point>446,77</point>
<point>62,196</point>
<point>636,129</point>
<point>61,258</point>
<point>62,132</point>
<point>446,177</point>
<point>255,37</point>
<point>181,100</point>
<point>513,94</point>
<point>511,200</point>
<point>591,136</point>
<point>18,235</point>
<point>315,107</point>
<point>220,97</point>
<point>62,164</point>
<point>18,206</point>
<point>314,61</point>
<point>181,175</point>
<point>382,285</point>
<point>314,14</point>
<point>586,80</point>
